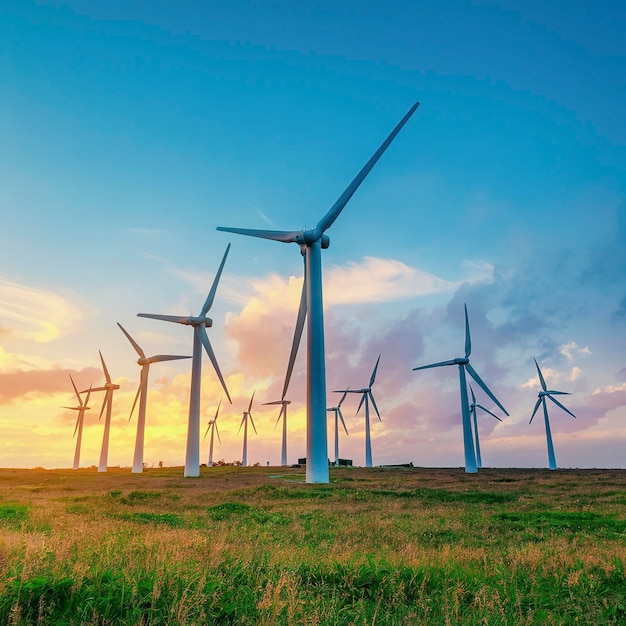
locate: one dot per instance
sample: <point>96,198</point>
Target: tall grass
<point>373,547</point>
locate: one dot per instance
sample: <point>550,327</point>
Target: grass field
<point>259,546</point>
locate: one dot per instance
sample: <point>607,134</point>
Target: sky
<point>131,130</point>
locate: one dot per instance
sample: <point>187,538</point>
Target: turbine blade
<point>178,319</point>
<point>328,219</point>
<point>342,420</point>
<point>535,410</point>
<point>107,398</point>
<point>217,432</point>
<point>209,301</point>
<point>558,393</point>
<point>76,391</point>
<point>252,422</point>
<point>217,412</point>
<point>285,236</point>
<point>541,378</point>
<point>243,419</point>
<point>473,396</point>
<point>104,368</point>
<point>159,358</point>
<point>134,344</point>
<point>76,427</point>
<point>374,405</point>
<point>345,393</point>
<point>563,407</point>
<point>361,403</point>
<point>87,398</point>
<point>468,339</point>
<point>207,431</point>
<point>204,338</point>
<point>136,395</point>
<point>297,337</point>
<point>280,414</point>
<point>480,406</point>
<point>373,376</point>
<point>425,367</point>
<point>251,400</point>
<point>479,380</point>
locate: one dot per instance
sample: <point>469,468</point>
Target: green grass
<point>244,546</point>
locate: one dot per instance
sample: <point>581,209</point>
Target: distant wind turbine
<point>473,412</point>
<point>311,243</point>
<point>109,387</point>
<point>142,395</point>
<point>366,397</point>
<point>200,338</point>
<point>212,426</point>
<point>338,416</point>
<point>464,364</point>
<point>244,422</point>
<point>81,408</point>
<point>283,414</point>
<point>542,395</point>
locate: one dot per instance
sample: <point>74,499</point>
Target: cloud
<point>571,349</point>
<point>36,314</point>
<point>31,383</point>
<point>388,280</point>
<point>550,375</point>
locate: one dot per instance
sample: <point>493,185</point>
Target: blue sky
<point>131,131</point>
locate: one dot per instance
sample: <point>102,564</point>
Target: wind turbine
<point>81,408</point>
<point>366,396</point>
<point>542,395</point>
<point>283,414</point>
<point>214,429</point>
<point>472,408</point>
<point>199,324</point>
<point>109,387</point>
<point>244,422</point>
<point>338,416</point>
<point>142,395</point>
<point>464,364</point>
<point>311,243</point>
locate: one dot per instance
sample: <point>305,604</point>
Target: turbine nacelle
<point>461,361</point>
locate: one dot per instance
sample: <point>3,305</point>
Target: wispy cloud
<point>36,314</point>
<point>571,350</point>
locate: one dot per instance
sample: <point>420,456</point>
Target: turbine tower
<point>142,395</point>
<point>542,395</point>
<point>366,397</point>
<point>214,429</point>
<point>473,412</point>
<point>109,387</point>
<point>311,243</point>
<point>338,416</point>
<point>464,365</point>
<point>283,414</point>
<point>244,422</point>
<point>199,324</point>
<point>81,408</point>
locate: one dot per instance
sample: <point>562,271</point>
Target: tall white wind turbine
<point>199,324</point>
<point>464,364</point>
<point>338,416</point>
<point>283,414</point>
<point>212,426</point>
<point>109,387</point>
<point>473,412</point>
<point>311,243</point>
<point>244,422</point>
<point>366,397</point>
<point>542,395</point>
<point>81,408</point>
<point>142,395</point>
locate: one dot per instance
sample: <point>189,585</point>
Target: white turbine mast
<point>199,324</point>
<point>142,396</point>
<point>311,243</point>
<point>244,422</point>
<point>212,426</point>
<point>81,408</point>
<point>542,395</point>
<point>464,365</point>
